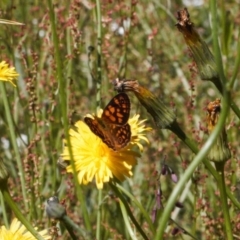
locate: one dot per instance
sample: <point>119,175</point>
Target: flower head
<point>7,73</point>
<point>94,159</point>
<point>54,209</point>
<point>17,231</point>
<point>220,151</point>
<point>199,49</point>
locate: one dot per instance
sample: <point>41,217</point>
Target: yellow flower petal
<point>7,73</point>
<point>17,231</point>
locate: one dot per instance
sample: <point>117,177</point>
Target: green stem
<point>226,94</point>
<point>235,108</point>
<point>70,231</point>
<point>129,212</point>
<point>210,141</point>
<point>13,136</point>
<point>165,9</point>
<point>188,173</point>
<point>99,53</point>
<point>4,210</point>
<point>126,220</point>
<point>217,52</point>
<point>73,228</point>
<point>224,27</point>
<point>183,230</point>
<point>233,105</point>
<point>223,198</point>
<point>127,32</point>
<point>63,101</point>
<point>139,205</point>
<point>99,215</point>
<point>59,65</point>
<point>237,63</point>
<point>98,98</point>
<point>17,212</point>
<point>175,128</point>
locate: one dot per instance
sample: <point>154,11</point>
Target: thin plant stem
<point>123,61</point>
<point>10,123</point>
<point>69,63</point>
<point>190,170</point>
<point>4,212</point>
<point>73,228</point>
<point>8,199</point>
<point>216,48</point>
<point>129,212</point>
<point>235,108</point>
<point>70,231</point>
<point>139,205</point>
<point>210,141</point>
<point>62,96</point>
<point>224,27</point>
<point>169,13</point>
<point>220,165</point>
<point>99,53</point>
<point>175,128</point>
<point>184,230</point>
<point>237,63</point>
<point>98,99</point>
<point>99,215</point>
<point>126,221</point>
<point>223,197</point>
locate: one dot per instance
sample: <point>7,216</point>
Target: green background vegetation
<point>150,50</point>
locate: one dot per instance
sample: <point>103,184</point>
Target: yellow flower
<point>94,159</point>
<point>17,231</point>
<point>137,130</point>
<point>7,73</point>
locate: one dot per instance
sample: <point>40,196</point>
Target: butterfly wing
<point>121,135</point>
<point>118,109</point>
<point>112,127</point>
<point>95,127</point>
<point>93,124</point>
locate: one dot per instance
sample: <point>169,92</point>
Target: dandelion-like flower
<point>7,73</point>
<point>94,159</point>
<point>17,231</point>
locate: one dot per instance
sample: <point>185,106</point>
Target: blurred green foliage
<point>139,41</point>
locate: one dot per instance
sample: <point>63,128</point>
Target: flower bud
<point>200,51</point>
<point>54,209</point>
<point>163,116</point>
<point>220,151</point>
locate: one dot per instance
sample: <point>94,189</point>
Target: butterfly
<point>112,127</point>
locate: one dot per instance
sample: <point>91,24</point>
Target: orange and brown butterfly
<point>112,127</point>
